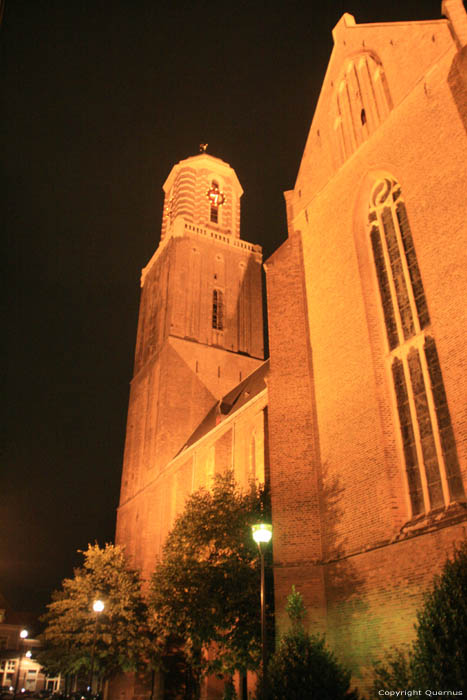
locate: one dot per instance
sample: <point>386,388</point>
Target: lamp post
<point>23,634</point>
<point>262,533</point>
<point>98,607</point>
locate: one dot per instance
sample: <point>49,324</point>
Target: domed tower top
<point>204,191</point>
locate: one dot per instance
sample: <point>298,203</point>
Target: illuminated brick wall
<point>350,540</point>
<point>393,108</point>
<point>145,521</point>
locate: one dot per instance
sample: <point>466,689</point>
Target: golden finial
<point>203,147</point>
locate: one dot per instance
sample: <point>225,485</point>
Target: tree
<point>437,659</point>
<point>119,640</point>
<point>395,673</point>
<point>302,668</point>
<point>440,649</point>
<point>205,591</point>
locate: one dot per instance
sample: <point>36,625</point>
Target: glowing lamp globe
<point>98,606</point>
<point>23,634</point>
<point>262,532</point>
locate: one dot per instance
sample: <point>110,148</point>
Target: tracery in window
<point>218,309</point>
<point>402,295</point>
<point>432,466</point>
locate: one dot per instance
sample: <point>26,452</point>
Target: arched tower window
<point>432,467</point>
<point>216,199</point>
<point>214,213</point>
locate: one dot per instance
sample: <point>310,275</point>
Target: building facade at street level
<point>359,417</point>
<point>18,666</point>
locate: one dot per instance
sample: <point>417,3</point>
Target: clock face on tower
<point>215,196</point>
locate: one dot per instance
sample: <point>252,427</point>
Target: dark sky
<point>100,99</point>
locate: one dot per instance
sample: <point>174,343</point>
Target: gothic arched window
<point>432,467</point>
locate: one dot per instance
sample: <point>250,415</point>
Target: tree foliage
<point>440,650</point>
<point>395,673</point>
<point>303,668</point>
<point>437,659</point>
<point>120,633</point>
<point>295,609</point>
<point>205,590</point>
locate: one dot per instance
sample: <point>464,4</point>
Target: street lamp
<point>262,533</point>
<point>23,634</point>
<point>98,607</point>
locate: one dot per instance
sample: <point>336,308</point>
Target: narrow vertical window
<point>210,465</point>
<point>384,288</point>
<point>446,434</point>
<point>425,429</point>
<point>216,199</point>
<point>431,463</point>
<point>412,265</point>
<point>218,310</point>
<point>252,465</point>
<point>408,438</point>
<point>397,273</point>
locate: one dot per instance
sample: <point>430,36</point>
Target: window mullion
<point>432,470</point>
<point>416,429</point>
<point>434,423</point>
<point>404,435</point>
<point>405,268</point>
<point>392,288</point>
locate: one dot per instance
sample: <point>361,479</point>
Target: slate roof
<point>246,390</point>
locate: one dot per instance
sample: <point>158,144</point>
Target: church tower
<point>200,333</point>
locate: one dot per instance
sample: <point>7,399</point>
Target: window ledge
<point>439,517</point>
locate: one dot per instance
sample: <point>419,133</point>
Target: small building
<point>19,669</point>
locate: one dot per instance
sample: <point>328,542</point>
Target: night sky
<point>100,99</point>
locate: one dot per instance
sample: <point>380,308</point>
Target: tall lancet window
<point>432,467</point>
<point>218,310</point>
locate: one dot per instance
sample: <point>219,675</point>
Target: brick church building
<point>358,419</point>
